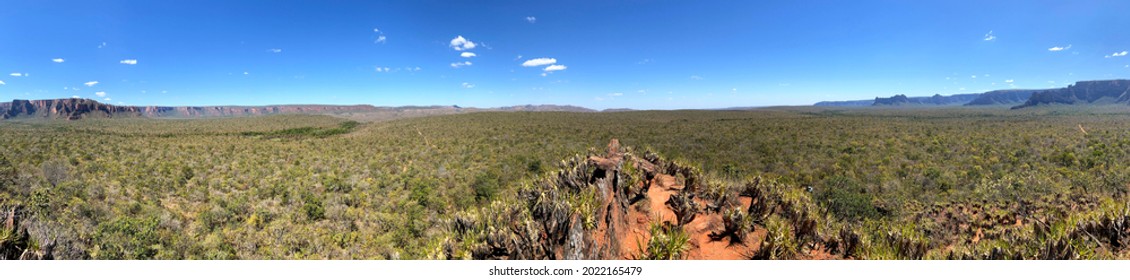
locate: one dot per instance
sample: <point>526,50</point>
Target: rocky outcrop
<point>1002,97</point>
<point>1083,93</point>
<point>616,205</point>
<point>77,108</point>
<point>936,100</point>
<point>71,109</point>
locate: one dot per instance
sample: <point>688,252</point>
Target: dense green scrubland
<point>924,183</point>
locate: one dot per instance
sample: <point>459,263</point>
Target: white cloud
<point>128,61</point>
<point>384,69</point>
<point>555,67</point>
<point>974,76</point>
<point>107,99</point>
<point>2,83</point>
<point>460,64</point>
<point>460,43</point>
<point>245,73</point>
<point>544,74</point>
<point>1117,54</point>
<point>100,94</point>
<point>616,94</point>
<point>90,83</point>
<point>468,54</point>
<point>1008,81</point>
<point>57,60</point>
<point>380,36</point>
<point>468,85</point>
<point>539,62</point>
<point>274,50</point>
<point>75,96</point>
<point>16,74</point>
<point>989,36</point>
<point>102,45</point>
<point>1058,48</point>
<point>693,77</point>
<point>531,19</point>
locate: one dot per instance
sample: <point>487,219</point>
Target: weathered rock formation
<point>1002,97</point>
<point>1085,92</point>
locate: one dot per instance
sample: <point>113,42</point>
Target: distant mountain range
<point>1087,92</point>
<point>936,100</point>
<point>76,108</point>
<point>1081,93</point>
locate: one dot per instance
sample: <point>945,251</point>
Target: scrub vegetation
<point>794,183</point>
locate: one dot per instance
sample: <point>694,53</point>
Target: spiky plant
<point>778,243</point>
<point>684,206</point>
<point>736,226</point>
<point>667,242</point>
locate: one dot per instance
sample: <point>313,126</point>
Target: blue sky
<point>597,54</point>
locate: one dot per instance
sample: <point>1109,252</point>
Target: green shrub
<point>846,199</point>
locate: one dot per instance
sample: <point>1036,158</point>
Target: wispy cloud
<point>1008,81</point>
<point>1117,54</point>
<point>1058,48</point>
<point>380,36</point>
<point>460,64</point>
<point>468,54</point>
<point>75,96</point>
<point>383,69</point>
<point>555,67</point>
<point>102,45</point>
<point>644,61</point>
<point>467,85</point>
<point>614,94</point>
<point>106,99</point>
<point>990,36</point>
<point>57,60</point>
<point>2,83</point>
<point>693,77</point>
<point>539,62</point>
<point>532,19</point>
<point>460,43</point>
<point>100,94</point>
<point>128,61</point>
<point>274,50</point>
<point>90,83</point>
<point>16,74</point>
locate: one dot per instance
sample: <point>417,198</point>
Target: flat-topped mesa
<point>78,108</point>
<point>70,108</point>
<point>1084,92</point>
